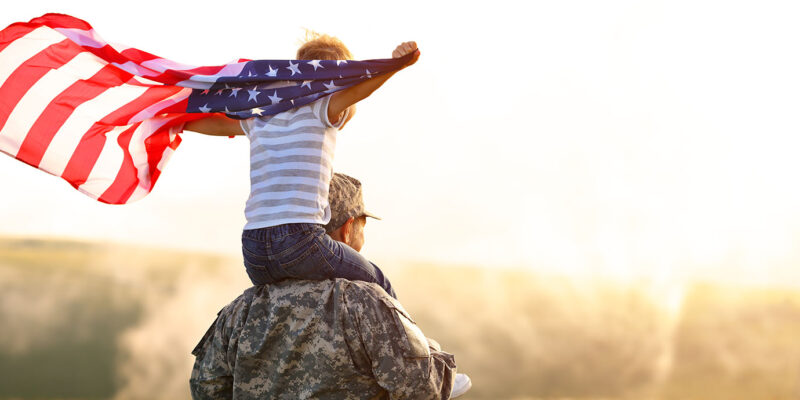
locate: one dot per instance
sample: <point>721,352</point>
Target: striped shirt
<point>291,164</point>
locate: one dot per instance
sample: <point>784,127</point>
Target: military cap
<point>346,201</point>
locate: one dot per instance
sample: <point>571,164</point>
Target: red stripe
<point>126,181</point>
<point>91,145</point>
<point>169,76</point>
<point>55,20</point>
<point>153,95</point>
<point>155,146</point>
<point>89,148</point>
<point>14,32</point>
<point>61,107</point>
<point>33,69</point>
<point>179,107</point>
<point>86,154</point>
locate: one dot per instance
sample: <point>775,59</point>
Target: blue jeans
<point>304,251</point>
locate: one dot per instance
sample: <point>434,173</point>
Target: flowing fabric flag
<point>107,119</point>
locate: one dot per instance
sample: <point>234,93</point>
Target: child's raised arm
<point>216,125</point>
<point>352,95</point>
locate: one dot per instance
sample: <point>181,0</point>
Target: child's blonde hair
<point>319,46</point>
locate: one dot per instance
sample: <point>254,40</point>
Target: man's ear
<point>347,230</point>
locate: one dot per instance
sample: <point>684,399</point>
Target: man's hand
<point>407,48</point>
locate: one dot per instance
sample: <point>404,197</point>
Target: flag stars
<point>234,92</point>
<point>274,72</point>
<point>315,64</point>
<point>204,109</point>
<point>204,92</point>
<point>340,62</point>
<point>274,98</point>
<point>306,83</point>
<point>257,111</point>
<point>253,94</point>
<point>331,87</point>
<point>295,68</point>
<point>367,74</point>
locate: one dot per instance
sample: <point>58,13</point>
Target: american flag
<point>107,119</point>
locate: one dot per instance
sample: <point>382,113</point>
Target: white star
<point>257,111</point>
<point>253,94</point>
<point>338,62</point>
<point>316,64</point>
<point>306,83</point>
<point>226,110</point>
<point>234,92</point>
<point>204,109</point>
<point>249,73</point>
<point>204,92</point>
<point>330,86</point>
<point>274,98</point>
<point>272,72</point>
<point>218,92</point>
<point>293,67</point>
<point>367,74</point>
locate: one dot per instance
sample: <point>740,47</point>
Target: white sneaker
<point>461,384</point>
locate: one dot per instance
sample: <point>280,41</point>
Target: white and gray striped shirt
<point>291,164</point>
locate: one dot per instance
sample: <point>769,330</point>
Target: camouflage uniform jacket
<point>333,339</point>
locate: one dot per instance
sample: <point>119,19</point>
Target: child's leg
<point>350,264</point>
<point>281,252</point>
<point>304,251</point>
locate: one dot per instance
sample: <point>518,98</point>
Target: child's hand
<point>406,48</point>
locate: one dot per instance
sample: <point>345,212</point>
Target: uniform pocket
<point>412,340</point>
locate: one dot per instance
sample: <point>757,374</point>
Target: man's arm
<point>402,360</point>
<point>215,125</point>
<point>352,95</point>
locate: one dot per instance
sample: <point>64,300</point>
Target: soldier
<point>330,339</point>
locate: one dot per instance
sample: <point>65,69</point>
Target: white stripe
<point>306,123</point>
<point>82,118</point>
<point>135,69</point>
<point>156,108</point>
<point>83,37</point>
<point>284,195</point>
<point>300,137</point>
<point>268,153</point>
<point>290,166</point>
<point>38,97</point>
<point>107,167</point>
<point>24,48</point>
<point>138,154</point>
<point>162,64</point>
<point>165,157</point>
<point>206,81</point>
<point>285,180</point>
<point>284,208</point>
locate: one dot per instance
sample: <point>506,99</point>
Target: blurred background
<point>600,197</point>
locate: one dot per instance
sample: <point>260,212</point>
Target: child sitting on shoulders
<point>291,166</point>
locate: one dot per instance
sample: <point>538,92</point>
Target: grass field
<point>95,321</point>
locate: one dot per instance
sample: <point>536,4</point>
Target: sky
<point>617,139</point>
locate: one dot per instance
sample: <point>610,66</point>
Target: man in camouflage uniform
<point>331,339</point>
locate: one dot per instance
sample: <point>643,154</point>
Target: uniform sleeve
<point>399,355</point>
<point>212,374</point>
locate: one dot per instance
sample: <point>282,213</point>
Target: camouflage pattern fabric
<point>333,339</point>
<point>346,200</point>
